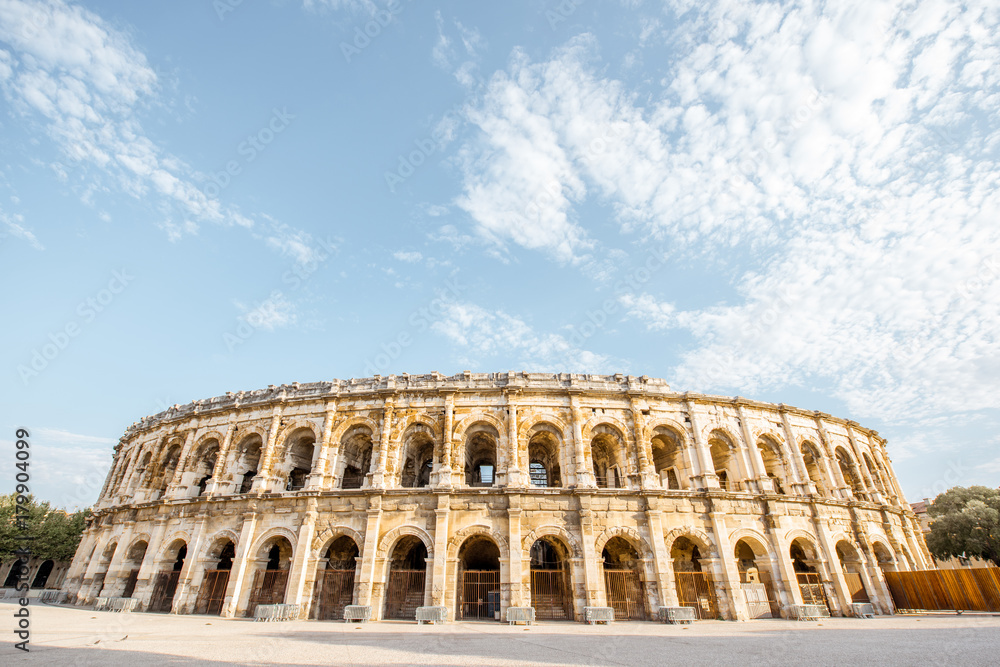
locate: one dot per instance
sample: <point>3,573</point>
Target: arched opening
<point>774,463</point>
<point>97,585</point>
<point>335,580</point>
<point>873,474</point>
<point>850,473</point>
<point>212,593</point>
<point>811,457</point>
<point>141,471</point>
<point>133,562</point>
<point>16,571</point>
<point>356,457</point>
<point>756,583</point>
<point>406,579</point>
<point>694,585</point>
<point>418,457</point>
<point>271,565</point>
<point>551,580</point>
<point>165,473</point>
<point>883,555</point>
<point>805,564</point>
<point>543,459</point>
<point>723,452</point>
<point>247,462</point>
<point>481,455</point>
<point>42,575</point>
<point>165,585</point>
<point>204,464</point>
<point>606,457</point>
<point>478,578</point>
<point>851,565</point>
<point>623,582</point>
<point>667,459</point>
<point>299,459</point>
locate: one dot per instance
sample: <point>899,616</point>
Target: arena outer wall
<point>478,466</point>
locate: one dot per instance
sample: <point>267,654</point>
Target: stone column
<point>517,593</point>
<point>377,477</point>
<point>77,568</point>
<point>764,483</point>
<point>303,562</point>
<point>174,488</point>
<point>593,572</point>
<point>87,590</point>
<point>584,469</point>
<point>829,550</point>
<point>147,570</point>
<point>705,477</point>
<point>644,450</point>
<point>516,475</point>
<point>441,477</point>
<point>841,486</point>
<point>368,556</point>
<point>114,581</point>
<point>182,604</point>
<point>801,485</point>
<point>664,579</point>
<point>241,563</point>
<point>870,489</point>
<point>729,584</point>
<point>216,487</point>
<point>263,482</point>
<point>319,477</point>
<point>439,584</point>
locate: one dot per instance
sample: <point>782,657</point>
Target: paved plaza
<point>67,636</point>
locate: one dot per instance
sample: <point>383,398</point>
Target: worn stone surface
<point>615,472</point>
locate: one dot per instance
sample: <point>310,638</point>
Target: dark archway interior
<point>409,554</point>
<point>342,554</point>
<point>274,558</point>
<point>181,555</point>
<point>546,555</point>
<point>226,557</point>
<point>479,553</point>
<point>618,554</point>
<point>42,576</point>
<point>686,556</point>
<point>799,559</point>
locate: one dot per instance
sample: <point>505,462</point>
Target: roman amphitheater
<point>483,492</point>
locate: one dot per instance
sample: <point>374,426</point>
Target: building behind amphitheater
<point>481,492</point>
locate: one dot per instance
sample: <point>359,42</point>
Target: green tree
<point>56,532</point>
<point>966,522</point>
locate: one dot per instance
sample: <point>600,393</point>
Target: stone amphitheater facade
<point>480,492</point>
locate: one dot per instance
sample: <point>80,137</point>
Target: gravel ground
<point>71,636</point>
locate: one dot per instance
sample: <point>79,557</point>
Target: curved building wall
<point>558,490</point>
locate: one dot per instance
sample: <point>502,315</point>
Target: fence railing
<point>976,589</point>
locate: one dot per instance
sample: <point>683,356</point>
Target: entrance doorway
<point>551,587</point>
<point>810,584</point>
<point>212,593</point>
<point>623,583</point>
<point>270,581</point>
<point>695,588</point>
<point>335,582</point>
<point>755,580</point>
<point>407,574</point>
<point>479,579</point>
<point>165,586</point>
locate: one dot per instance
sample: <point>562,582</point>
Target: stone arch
<point>550,530</point>
<point>168,543</point>
<point>271,533</point>
<point>418,451</point>
<point>798,533</point>
<point>649,429</point>
<point>205,437</point>
<point>461,535</point>
<point>544,452</point>
<point>624,432</point>
<point>389,540</point>
<point>458,432</point>
<point>629,534</point>
<point>342,427</point>
<point>754,539</point>
<point>294,425</point>
<point>427,420</point>
<point>700,538</point>
<point>527,428</point>
<point>141,537</point>
<point>323,539</point>
<point>216,538</point>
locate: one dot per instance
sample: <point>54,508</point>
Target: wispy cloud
<point>272,313</point>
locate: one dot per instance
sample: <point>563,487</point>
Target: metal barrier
<point>101,603</point>
<point>678,614</point>
<point>276,612</point>
<point>50,595</point>
<point>357,612</point>
<point>520,615</point>
<point>809,612</point>
<point>598,614</point>
<point>435,614</point>
<point>123,605</point>
<point>863,610</point>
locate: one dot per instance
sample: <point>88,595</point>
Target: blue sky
<point>788,201</point>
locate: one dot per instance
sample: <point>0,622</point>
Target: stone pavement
<point>72,636</point>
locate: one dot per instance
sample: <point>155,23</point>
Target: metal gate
<point>163,592</point>
<point>476,600</point>
<point>212,593</point>
<point>334,591</point>
<point>268,588</point>
<point>404,593</point>
<point>813,590</point>
<point>856,587</point>
<point>695,590</point>
<point>550,595</point>
<point>130,582</point>
<point>625,594</point>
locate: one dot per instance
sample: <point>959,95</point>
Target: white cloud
<point>13,226</point>
<point>483,334</point>
<point>850,151</point>
<point>272,313</point>
<point>407,256</point>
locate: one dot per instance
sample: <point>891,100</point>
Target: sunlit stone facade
<point>480,492</point>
